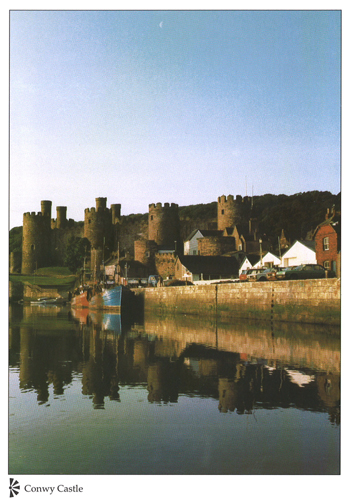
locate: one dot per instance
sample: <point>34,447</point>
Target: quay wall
<point>304,301</point>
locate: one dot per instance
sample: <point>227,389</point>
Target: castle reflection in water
<point>243,365</point>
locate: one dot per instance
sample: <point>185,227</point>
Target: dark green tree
<point>15,239</point>
<point>77,250</point>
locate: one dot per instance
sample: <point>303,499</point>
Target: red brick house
<point>327,238</point>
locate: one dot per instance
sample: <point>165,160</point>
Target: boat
<point>114,299</point>
<point>108,321</point>
<point>81,300</point>
<point>48,301</point>
<point>81,314</point>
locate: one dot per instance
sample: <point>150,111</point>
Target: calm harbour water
<point>92,395</point>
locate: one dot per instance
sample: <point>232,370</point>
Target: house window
<point>194,252</point>
<point>327,264</point>
<point>222,211</point>
<point>326,243</point>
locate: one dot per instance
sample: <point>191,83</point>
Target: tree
<point>77,250</point>
<point>15,239</point>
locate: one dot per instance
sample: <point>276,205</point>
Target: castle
<point>45,239</point>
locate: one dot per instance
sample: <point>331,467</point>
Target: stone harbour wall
<point>305,301</point>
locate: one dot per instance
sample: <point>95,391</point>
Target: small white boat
<point>48,301</point>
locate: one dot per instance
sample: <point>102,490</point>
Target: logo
<point>14,487</point>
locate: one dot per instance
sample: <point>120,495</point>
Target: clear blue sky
<point>171,106</point>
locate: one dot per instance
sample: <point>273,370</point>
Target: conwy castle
<point>149,249</point>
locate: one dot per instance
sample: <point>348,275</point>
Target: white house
<point>301,252</point>
<point>268,260</point>
<point>248,262</point>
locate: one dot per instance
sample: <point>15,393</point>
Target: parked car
<point>268,274</point>
<point>281,272</point>
<point>245,273</point>
<point>305,271</point>
<point>154,279</point>
<point>252,275</point>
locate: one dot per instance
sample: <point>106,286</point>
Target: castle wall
<point>60,240</point>
<point>105,228</point>
<point>144,252</point>
<point>215,245</point>
<point>165,264</point>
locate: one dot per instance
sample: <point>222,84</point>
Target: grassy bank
<point>48,277</point>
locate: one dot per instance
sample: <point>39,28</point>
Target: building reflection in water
<point>244,366</point>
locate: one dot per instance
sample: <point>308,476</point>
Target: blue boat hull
<point>114,299</point>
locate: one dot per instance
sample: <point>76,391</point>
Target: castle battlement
<point>159,205</point>
<point>94,210</point>
<point>29,215</point>
<point>230,198</point>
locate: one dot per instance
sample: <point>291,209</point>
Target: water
<point>89,395</point>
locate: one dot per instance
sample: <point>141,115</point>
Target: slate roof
<point>205,232</point>
<point>307,243</point>
<point>253,258</point>
<point>334,221</point>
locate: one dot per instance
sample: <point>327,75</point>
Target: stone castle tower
<point>164,236</point>
<point>163,224</point>
<point>101,228</point>
<point>36,244</point>
<point>231,211</point>
<point>61,220</point>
